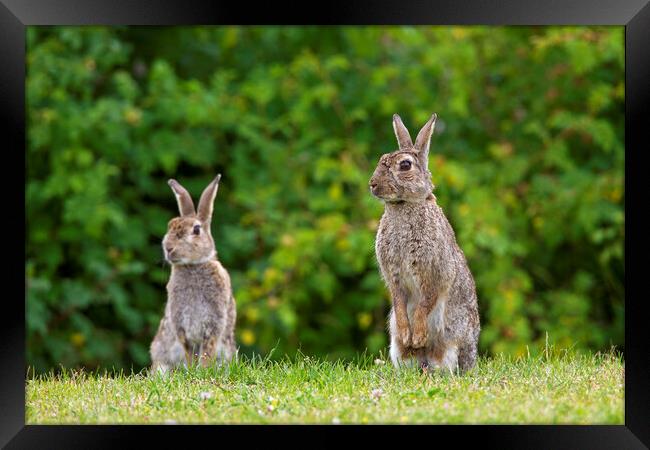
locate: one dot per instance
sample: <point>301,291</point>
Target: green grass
<point>562,388</point>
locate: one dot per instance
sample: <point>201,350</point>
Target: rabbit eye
<point>197,229</point>
<point>405,165</point>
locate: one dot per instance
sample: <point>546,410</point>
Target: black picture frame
<point>15,15</point>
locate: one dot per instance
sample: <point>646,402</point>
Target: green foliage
<point>527,158</point>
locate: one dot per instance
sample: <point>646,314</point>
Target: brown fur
<point>199,320</point>
<point>434,318</point>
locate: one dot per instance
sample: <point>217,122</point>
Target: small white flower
<point>170,422</point>
<point>206,395</point>
<point>379,362</point>
<point>376,394</point>
<point>270,408</point>
<point>273,402</point>
<point>336,421</point>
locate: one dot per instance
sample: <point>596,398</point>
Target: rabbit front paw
<point>405,337</point>
<point>419,338</point>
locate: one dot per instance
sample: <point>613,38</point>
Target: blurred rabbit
<point>434,317</point>
<point>200,314</point>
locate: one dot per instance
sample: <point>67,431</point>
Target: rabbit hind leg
<point>208,351</point>
<point>165,350</point>
<point>403,358</point>
<point>400,356</point>
<point>226,350</point>
<point>443,358</point>
<point>467,356</point>
<point>159,368</point>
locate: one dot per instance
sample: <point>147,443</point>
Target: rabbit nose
<point>169,249</point>
<point>373,184</point>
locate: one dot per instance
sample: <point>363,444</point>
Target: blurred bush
<point>528,160</point>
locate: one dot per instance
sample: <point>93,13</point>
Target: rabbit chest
<point>408,248</point>
<point>196,301</point>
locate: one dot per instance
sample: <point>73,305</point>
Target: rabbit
<point>200,314</point>
<point>434,319</point>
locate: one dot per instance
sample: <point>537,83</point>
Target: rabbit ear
<point>185,204</point>
<point>402,134</point>
<point>207,200</point>
<point>424,138</point>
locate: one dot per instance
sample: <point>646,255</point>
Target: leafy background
<point>527,158</point>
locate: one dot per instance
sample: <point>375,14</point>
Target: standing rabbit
<point>199,319</point>
<point>434,318</point>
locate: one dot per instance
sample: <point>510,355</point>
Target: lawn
<point>565,387</point>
